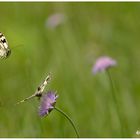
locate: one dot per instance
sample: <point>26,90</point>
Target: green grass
<point>69,52</point>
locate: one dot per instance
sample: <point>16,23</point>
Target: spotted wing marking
<point>4,48</point>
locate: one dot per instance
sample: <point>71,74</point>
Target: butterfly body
<point>5,51</point>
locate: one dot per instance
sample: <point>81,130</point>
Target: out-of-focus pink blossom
<point>55,20</point>
<point>103,63</point>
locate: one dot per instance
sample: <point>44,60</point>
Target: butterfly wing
<point>4,48</point>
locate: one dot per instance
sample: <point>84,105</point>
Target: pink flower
<point>103,63</point>
<point>48,101</point>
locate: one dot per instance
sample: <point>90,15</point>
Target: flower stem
<point>72,123</point>
<point>114,98</point>
<point>112,86</point>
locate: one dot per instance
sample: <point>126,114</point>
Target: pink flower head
<point>48,101</point>
<point>103,63</point>
<point>54,20</point>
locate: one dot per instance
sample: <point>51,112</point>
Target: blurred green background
<point>69,51</point>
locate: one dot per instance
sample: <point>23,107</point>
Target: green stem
<point>112,86</point>
<point>72,123</point>
<point>114,97</point>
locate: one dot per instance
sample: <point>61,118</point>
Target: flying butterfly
<point>5,51</point>
<point>39,90</point>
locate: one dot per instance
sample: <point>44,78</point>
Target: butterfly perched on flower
<point>5,51</point>
<point>39,90</point>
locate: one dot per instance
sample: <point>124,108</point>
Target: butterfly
<point>5,51</point>
<point>39,90</point>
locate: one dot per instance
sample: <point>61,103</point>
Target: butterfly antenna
<point>17,46</point>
